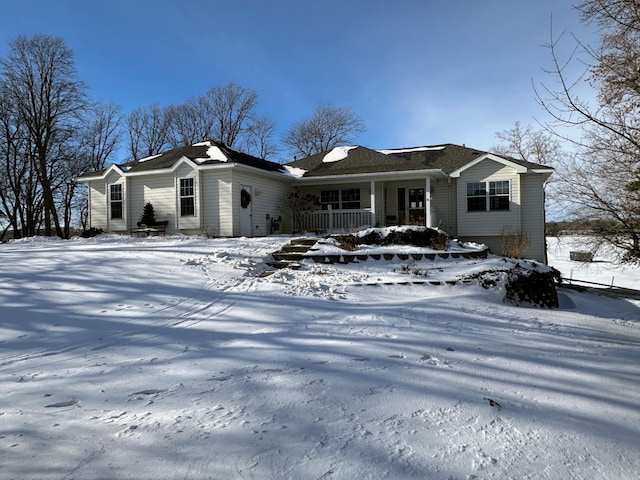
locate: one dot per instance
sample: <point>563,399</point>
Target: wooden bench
<point>148,230</point>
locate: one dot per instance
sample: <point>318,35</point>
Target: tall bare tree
<point>260,138</point>
<point>224,113</point>
<point>231,107</point>
<point>92,149</point>
<point>327,128</point>
<point>40,83</point>
<point>149,131</point>
<point>603,179</point>
<point>20,193</point>
<point>189,123</point>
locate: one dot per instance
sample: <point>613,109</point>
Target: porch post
<point>373,202</point>
<point>330,209</point>
<point>427,202</point>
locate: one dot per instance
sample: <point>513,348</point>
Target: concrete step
<point>304,241</point>
<point>281,265</point>
<point>295,248</point>
<point>284,256</point>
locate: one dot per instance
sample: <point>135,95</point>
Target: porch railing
<point>323,220</point>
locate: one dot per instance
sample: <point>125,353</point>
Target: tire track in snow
<point>198,305</point>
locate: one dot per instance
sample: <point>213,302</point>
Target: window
<point>350,198</point>
<point>482,199</point>
<point>499,195</point>
<point>476,197</point>
<point>187,198</point>
<point>115,200</point>
<point>330,198</point>
<point>347,199</point>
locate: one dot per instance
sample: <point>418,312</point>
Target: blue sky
<point>418,72</point>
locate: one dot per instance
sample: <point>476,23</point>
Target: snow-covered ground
<point>601,270</point>
<point>168,358</point>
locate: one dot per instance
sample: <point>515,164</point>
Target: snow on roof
<point>149,158</point>
<point>337,154</point>
<point>409,150</point>
<point>213,152</point>
<point>294,172</point>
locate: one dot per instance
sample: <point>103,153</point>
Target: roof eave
<point>344,178</point>
<point>101,176</point>
<point>489,156</point>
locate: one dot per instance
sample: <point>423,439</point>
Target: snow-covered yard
<point>168,358</point>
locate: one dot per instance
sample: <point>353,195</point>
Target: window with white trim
<point>187,198</point>
<point>350,198</point>
<point>330,198</point>
<point>488,196</point>
<point>115,200</point>
<point>499,195</point>
<point>345,199</point>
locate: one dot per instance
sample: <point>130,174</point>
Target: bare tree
<point>603,180</point>
<point>101,136</point>
<point>231,107</point>
<point>91,151</point>
<point>225,114</point>
<point>526,143</point>
<point>536,146</point>
<point>20,192</point>
<point>189,123</point>
<point>260,138</point>
<point>149,131</point>
<point>40,83</point>
<point>327,128</point>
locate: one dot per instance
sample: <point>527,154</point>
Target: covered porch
<point>375,203</point>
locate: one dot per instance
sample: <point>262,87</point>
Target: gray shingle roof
<point>360,160</point>
<point>199,153</point>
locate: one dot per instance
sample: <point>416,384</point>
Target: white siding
<point>98,204</point>
<point>533,216</point>
<point>478,224</point>
<point>116,224</point>
<point>269,198</point>
<point>191,222</point>
<point>441,205</point>
<point>159,189</point>
<point>215,194</point>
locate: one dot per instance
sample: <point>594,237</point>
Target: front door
<point>402,209</point>
<point>246,209</point>
<point>416,206</point>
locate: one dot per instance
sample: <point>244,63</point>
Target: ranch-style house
<point>209,188</point>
